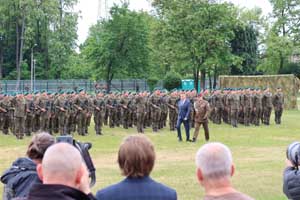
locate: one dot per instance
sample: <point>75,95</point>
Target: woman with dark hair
<point>19,178</point>
<point>136,160</point>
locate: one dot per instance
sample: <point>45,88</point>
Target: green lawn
<point>258,152</point>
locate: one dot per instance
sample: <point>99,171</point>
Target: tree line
<point>197,39</point>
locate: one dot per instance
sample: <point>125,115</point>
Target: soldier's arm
<point>207,109</point>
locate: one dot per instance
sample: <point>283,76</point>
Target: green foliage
<point>77,68</point>
<point>118,47</point>
<point>279,50</point>
<point>291,68</point>
<point>244,45</point>
<point>195,33</point>
<point>152,81</point>
<point>172,80</point>
<point>283,37</point>
<point>47,27</point>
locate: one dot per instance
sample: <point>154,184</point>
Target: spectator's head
<point>62,164</point>
<point>38,146</point>
<point>214,165</point>
<point>136,156</point>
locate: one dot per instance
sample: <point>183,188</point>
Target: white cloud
<point>89,11</point>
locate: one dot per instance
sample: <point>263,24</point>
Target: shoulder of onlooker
<point>110,190</point>
<point>165,188</point>
<point>229,196</point>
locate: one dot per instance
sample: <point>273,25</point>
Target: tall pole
<point>31,71</point>
<point>34,61</point>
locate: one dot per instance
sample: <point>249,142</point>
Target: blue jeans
<point>186,127</point>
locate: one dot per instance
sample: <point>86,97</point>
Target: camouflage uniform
<point>247,107</point>
<point>20,115</point>
<point>61,108</point>
<point>267,107</point>
<point>29,115</point>
<point>140,113</point>
<point>44,106</point>
<point>218,108</point>
<point>173,112</point>
<point>201,118</point>
<point>257,108</point>
<point>6,106</point>
<point>154,102</point>
<point>225,111</point>
<point>99,112</point>
<point>81,104</point>
<point>234,103</point>
<point>164,112</point>
<point>278,102</point>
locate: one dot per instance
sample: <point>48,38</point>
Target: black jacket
<point>56,192</point>
<point>291,183</point>
<point>19,178</point>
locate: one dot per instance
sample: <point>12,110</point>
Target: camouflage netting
<point>289,83</point>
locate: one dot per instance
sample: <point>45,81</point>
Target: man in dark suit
<point>136,160</point>
<point>183,117</point>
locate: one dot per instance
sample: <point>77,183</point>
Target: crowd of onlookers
<point>57,171</point>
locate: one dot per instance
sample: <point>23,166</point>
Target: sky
<point>89,11</point>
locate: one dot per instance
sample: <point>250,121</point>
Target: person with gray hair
<point>64,175</point>
<point>214,171</point>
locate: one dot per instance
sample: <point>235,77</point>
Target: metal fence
<point>9,86</point>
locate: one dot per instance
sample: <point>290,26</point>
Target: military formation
<point>69,112</point>
<point>245,106</point>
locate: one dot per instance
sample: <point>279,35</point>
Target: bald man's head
<point>62,164</point>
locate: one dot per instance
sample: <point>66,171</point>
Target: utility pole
<point>102,9</point>
<point>32,68</point>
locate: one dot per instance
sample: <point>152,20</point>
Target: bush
<point>291,68</point>
<point>172,80</point>
<point>152,81</point>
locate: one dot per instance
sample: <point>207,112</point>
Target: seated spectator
<point>214,171</point>
<point>20,177</point>
<point>136,160</point>
<point>64,175</point>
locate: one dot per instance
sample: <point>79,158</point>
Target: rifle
<point>60,108</point>
<point>171,106</point>
<point>3,110</point>
<point>112,107</point>
<point>40,108</point>
<point>96,107</point>
<point>78,107</point>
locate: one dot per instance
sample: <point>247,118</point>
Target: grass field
<point>258,152</point>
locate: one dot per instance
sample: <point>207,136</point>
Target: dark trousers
<point>278,114</point>
<point>186,127</point>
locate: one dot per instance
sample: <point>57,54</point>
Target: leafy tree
<point>197,31</point>
<point>245,45</point>
<point>118,47</point>
<point>47,27</point>
<point>283,36</point>
<point>279,50</point>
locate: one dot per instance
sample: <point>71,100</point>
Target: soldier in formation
<point>245,106</point>
<point>68,112</point>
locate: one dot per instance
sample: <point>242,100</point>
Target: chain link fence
<point>10,86</point>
